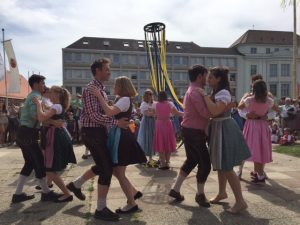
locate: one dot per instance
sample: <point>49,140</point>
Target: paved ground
<point>277,202</point>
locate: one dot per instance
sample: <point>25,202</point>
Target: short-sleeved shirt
<point>58,108</point>
<point>29,111</point>
<point>123,104</point>
<point>223,96</point>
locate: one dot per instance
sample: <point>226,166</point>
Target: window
<point>141,44</point>
<point>253,69</point>
<point>276,50</point>
<point>68,57</point>
<point>85,42</point>
<point>126,44</point>
<point>184,60</point>
<point>77,74</point>
<point>178,47</point>
<point>78,90</point>
<point>86,57</point>
<point>253,50</point>
<point>268,50</point>
<point>216,61</point>
<point>273,70</point>
<point>232,63</point>
<point>285,70</point>
<point>106,43</point>
<point>232,77</point>
<point>273,89</point>
<point>196,60</point>
<point>142,75</point>
<point>209,61</point>
<point>143,60</point>
<point>77,57</point>
<point>285,90</point>
<point>176,60</point>
<point>223,62</point>
<point>116,59</point>
<point>176,76</point>
<point>68,74</point>
<point>169,60</point>
<point>129,59</point>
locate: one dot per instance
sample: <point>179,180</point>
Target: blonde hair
<point>64,96</point>
<point>124,87</point>
<point>145,97</point>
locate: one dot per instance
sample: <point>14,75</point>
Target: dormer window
<point>178,47</point>
<point>141,44</point>
<point>85,42</point>
<point>106,43</point>
<point>126,44</point>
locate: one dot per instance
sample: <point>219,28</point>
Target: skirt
<point>227,145</point>
<point>146,135</point>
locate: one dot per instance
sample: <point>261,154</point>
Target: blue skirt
<point>146,135</point>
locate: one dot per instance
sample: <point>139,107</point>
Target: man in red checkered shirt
<point>94,134</point>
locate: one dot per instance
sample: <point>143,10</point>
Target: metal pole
<point>295,53</point>
<point>6,100</point>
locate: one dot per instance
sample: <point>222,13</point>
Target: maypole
<point>157,61</point>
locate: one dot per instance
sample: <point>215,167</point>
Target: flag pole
<point>6,99</point>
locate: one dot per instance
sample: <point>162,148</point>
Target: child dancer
<point>59,150</point>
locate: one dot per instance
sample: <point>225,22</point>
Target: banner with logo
<point>14,84</point>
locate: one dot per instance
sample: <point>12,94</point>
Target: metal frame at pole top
<point>4,62</point>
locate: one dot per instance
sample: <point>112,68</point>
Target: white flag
<point>1,68</point>
<point>14,84</point>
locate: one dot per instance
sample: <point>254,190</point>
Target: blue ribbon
<point>114,135</point>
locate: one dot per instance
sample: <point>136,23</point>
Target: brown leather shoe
<point>202,200</point>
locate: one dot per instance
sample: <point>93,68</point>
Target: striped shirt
<point>92,114</point>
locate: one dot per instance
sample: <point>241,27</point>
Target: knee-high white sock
<point>20,185</point>
<point>44,185</point>
<point>101,204</point>
<point>79,182</point>
<point>178,182</point>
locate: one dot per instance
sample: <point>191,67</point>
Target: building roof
<point>24,88</point>
<point>266,37</point>
<point>113,44</point>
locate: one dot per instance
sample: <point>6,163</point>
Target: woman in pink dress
<point>256,130</point>
<point>164,134</point>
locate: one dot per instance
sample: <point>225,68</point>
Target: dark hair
<point>260,91</point>
<point>162,96</point>
<point>222,73</point>
<point>256,77</point>
<point>195,71</point>
<point>35,78</point>
<point>98,64</point>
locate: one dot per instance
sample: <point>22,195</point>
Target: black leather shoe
<point>39,187</point>
<point>77,191</point>
<point>51,196</point>
<point>174,194</point>
<point>202,200</point>
<point>68,199</point>
<point>106,214</point>
<point>138,195</point>
<point>132,210</point>
<point>21,198</point>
